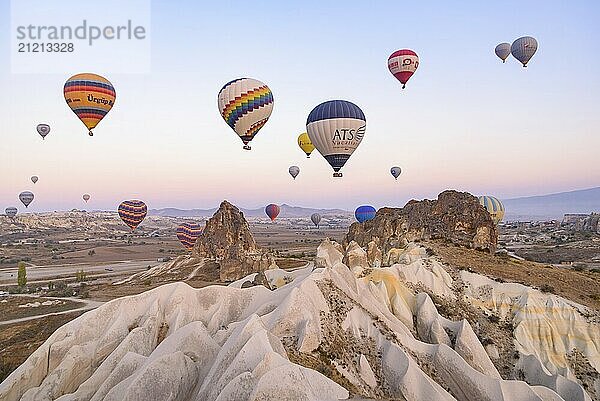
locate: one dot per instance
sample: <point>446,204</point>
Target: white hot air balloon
<point>503,51</point>
<point>294,171</point>
<point>34,178</point>
<point>336,128</point>
<point>245,104</point>
<point>43,130</point>
<point>11,211</point>
<point>523,49</point>
<point>86,197</point>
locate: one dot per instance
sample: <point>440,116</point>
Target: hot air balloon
<point>396,171</point>
<point>91,97</point>
<point>494,207</point>
<point>316,219</point>
<point>272,211</point>
<point>132,212</point>
<point>245,104</point>
<point>503,51</point>
<point>523,49</point>
<point>43,130</point>
<point>34,178</point>
<point>305,144</point>
<point>26,197</point>
<point>403,64</point>
<point>10,212</point>
<point>364,213</point>
<point>294,171</point>
<point>86,198</point>
<point>336,128</point>
<point>188,233</point>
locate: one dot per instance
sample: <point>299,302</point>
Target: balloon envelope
<point>523,49</point>
<point>272,211</point>
<point>91,97</point>
<point>26,198</point>
<point>34,178</point>
<point>396,171</point>
<point>43,130</point>
<point>336,128</point>
<point>403,64</point>
<point>294,171</point>
<point>494,207</point>
<point>364,213</point>
<point>132,212</point>
<point>10,212</point>
<point>316,219</point>
<point>86,197</point>
<point>305,144</point>
<point>245,104</point>
<point>502,51</point>
<point>188,233</point>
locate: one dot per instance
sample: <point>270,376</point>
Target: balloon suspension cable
<point>247,147</point>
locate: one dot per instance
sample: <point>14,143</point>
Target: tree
<point>22,275</point>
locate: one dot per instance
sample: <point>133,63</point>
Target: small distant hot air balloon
<point>86,198</point>
<point>503,51</point>
<point>316,219</point>
<point>396,171</point>
<point>34,178</point>
<point>43,130</point>
<point>132,212</point>
<point>305,144</point>
<point>523,49</point>
<point>188,233</point>
<point>91,97</point>
<point>272,211</point>
<point>403,64</point>
<point>336,128</point>
<point>294,171</point>
<point>364,213</point>
<point>11,211</point>
<point>494,207</point>
<point>245,104</point>
<point>26,198</point>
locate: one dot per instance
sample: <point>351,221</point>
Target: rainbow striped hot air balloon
<point>188,233</point>
<point>132,212</point>
<point>245,104</point>
<point>91,97</point>
<point>364,213</point>
<point>494,207</point>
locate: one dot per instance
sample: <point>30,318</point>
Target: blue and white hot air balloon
<point>523,49</point>
<point>336,128</point>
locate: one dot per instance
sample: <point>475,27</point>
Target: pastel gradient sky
<point>466,121</point>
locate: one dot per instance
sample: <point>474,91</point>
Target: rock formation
<point>456,217</point>
<point>417,330</point>
<point>227,240</point>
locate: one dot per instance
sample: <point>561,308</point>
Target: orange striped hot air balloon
<point>91,97</point>
<point>132,212</point>
<point>188,233</point>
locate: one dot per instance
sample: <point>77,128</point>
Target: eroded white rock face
<point>230,343</point>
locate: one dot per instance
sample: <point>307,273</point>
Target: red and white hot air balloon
<point>403,64</point>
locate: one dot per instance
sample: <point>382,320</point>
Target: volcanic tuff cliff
<point>456,217</point>
<point>227,239</point>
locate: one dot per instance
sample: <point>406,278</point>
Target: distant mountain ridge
<point>286,211</point>
<point>552,206</point>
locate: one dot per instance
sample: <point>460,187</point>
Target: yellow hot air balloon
<point>494,207</point>
<point>305,144</point>
<point>91,97</point>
